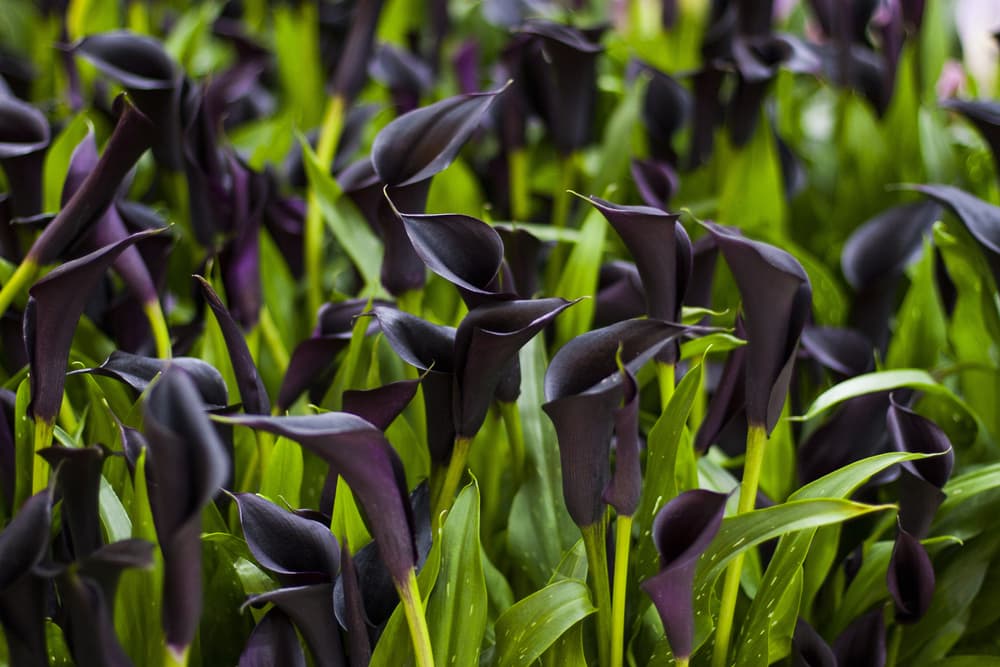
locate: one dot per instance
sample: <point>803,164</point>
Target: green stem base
<point>594,540</point>
<point>416,620</point>
<point>452,477</point>
<point>623,543</point>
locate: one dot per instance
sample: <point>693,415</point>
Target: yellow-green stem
<point>265,445</point>
<point>515,436</point>
<point>67,417</point>
<point>682,662</point>
<point>158,326</point>
<point>22,278</point>
<point>623,543</point>
<point>138,17</point>
<point>560,218</point>
<point>40,467</point>
<point>756,444</point>
<point>272,338</point>
<point>895,641</point>
<point>413,607</point>
<point>329,135</point>
<point>594,540</point>
<point>172,657</point>
<point>517,174</point>
<point>666,376</point>
<point>452,476</point>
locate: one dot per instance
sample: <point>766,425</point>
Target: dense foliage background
<point>281,279</point>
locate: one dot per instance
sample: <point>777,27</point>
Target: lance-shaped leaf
<point>129,140</point>
<point>311,609</point>
<point>56,303</point>
<point>79,480</point>
<point>562,79</point>
<point>143,67</point>
<point>24,137</point>
<point>619,294</point>
<point>463,250</point>
<point>298,550</point>
<point>187,467</point>
<point>656,181</point>
<point>625,487</point>
<point>138,371</point>
<point>584,388</point>
<point>985,116</point>
<point>419,144</point>
<point>252,391</point>
<point>914,433</point>
<point>273,643</point>
<point>809,649</point>
<point>910,578</point>
<point>863,642</point>
<point>776,301</point>
<point>109,226</point>
<point>311,358</point>
<point>402,269</point>
<point>360,453</point>
<point>430,348</point>
<point>981,218</point>
<point>486,344</point>
<point>662,253</point>
<point>682,531</point>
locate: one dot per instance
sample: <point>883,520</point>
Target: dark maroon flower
<point>24,138</point>
<point>273,643</point>
<point>682,531</point>
<point>910,578</point>
<point>863,642</point>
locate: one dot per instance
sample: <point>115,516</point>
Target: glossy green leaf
<point>579,277</point>
<point>530,627</point>
<point>281,480</point>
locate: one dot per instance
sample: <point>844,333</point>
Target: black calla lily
<point>682,531</point>
<point>863,642</point>
<point>273,643</point>
<point>656,182</point>
<point>137,371</point>
<point>24,138</point>
<point>309,608</point>
<point>150,76</point>
<point>584,388</point>
<point>809,649</point>
<point>187,467</point>
<point>910,578</point>
<point>619,294</point>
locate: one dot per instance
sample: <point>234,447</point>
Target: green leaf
<point>87,17</point>
<point>57,159</point>
<point>223,629</point>
<point>455,190</point>
<point>115,520</point>
<point>456,610</point>
<point>971,503</point>
<point>753,194</point>
<point>347,523</point>
<point>348,227</point>
<point>920,336</point>
<point>714,342</point>
<point>612,160</point>
<point>539,529</point>
<point>24,448</point>
<point>530,627</point>
<point>739,533</point>
<point>281,480</point>
<point>579,278</point>
<point>296,45</point>
<point>870,383</point>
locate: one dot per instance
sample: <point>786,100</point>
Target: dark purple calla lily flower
<point>662,252</point>
<point>584,389</point>
<point>79,482</point>
<point>310,609</point>
<point>855,431</point>
<point>920,482</point>
<point>381,405</point>
<point>486,345</point>
<point>844,351</point>
<point>727,409</point>
<point>522,251</point>
<point>311,359</point>
<point>619,294</point>
<point>55,305</point>
<point>351,72</point>
<point>23,544</point>
<point>682,531</point>
<point>873,260</point>
<point>562,81</point>
<point>187,467</point>
<point>142,66</point>
<point>863,642</point>
<point>24,138</point>
<point>666,107</point>
<point>402,268</point>
<point>910,578</point>
<point>354,620</point>
<point>252,391</point>
<point>625,487</point>
<point>777,298</point>
<point>421,143</point>
<point>656,182</point>
<point>360,453</point>
<point>809,649</point>
<point>406,76</point>
<point>273,643</point>
<point>138,371</point>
